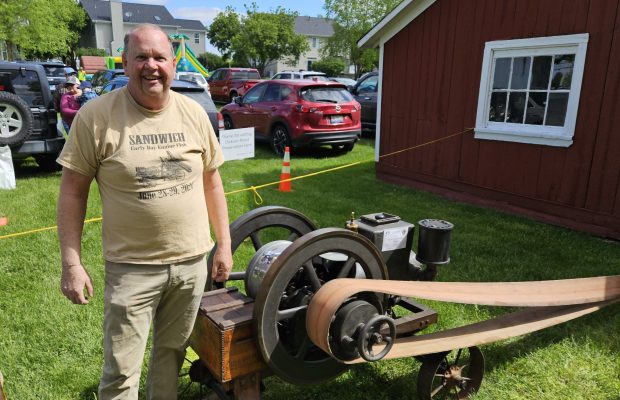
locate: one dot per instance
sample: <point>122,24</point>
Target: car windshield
<point>321,78</point>
<point>245,75</point>
<point>326,94</point>
<point>54,71</point>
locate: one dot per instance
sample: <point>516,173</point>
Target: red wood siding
<point>431,78</point>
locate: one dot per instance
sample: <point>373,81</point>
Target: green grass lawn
<point>50,349</point>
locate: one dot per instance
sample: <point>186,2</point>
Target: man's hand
<point>73,281</point>
<point>222,264</point>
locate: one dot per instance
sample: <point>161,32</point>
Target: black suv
<point>55,72</point>
<point>27,116</point>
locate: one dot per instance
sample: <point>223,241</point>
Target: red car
<point>297,113</point>
<point>228,83</point>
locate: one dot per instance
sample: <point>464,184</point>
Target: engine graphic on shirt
<point>171,168</point>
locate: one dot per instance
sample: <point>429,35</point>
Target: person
<point>69,104</point>
<point>87,93</point>
<point>81,74</point>
<point>155,157</point>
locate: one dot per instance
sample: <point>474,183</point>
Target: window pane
<point>562,71</point>
<point>556,112</point>
<point>535,114</point>
<point>502,72</point>
<point>516,102</point>
<point>540,73</point>
<point>497,110</point>
<point>520,72</point>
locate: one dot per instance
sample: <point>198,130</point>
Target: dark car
<point>189,89</point>
<point>365,91</point>
<point>297,113</point>
<point>103,76</point>
<point>55,72</point>
<point>27,115</point>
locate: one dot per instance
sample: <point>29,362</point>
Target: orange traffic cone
<point>285,176</point>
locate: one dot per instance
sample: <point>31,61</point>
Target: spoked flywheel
<point>453,375</point>
<point>287,288</point>
<point>260,226</point>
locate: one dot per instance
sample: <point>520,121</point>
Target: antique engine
<point>287,268</point>
<point>318,300</point>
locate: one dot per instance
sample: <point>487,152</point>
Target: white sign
<point>395,238</point>
<point>237,144</point>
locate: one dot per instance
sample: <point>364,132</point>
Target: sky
<point>206,10</point>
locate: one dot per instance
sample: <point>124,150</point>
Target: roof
<point>99,10</point>
<point>394,22</point>
<point>314,26</point>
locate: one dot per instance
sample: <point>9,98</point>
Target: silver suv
<point>314,75</point>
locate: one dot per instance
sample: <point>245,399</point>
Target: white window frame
<point>197,38</point>
<point>560,136</point>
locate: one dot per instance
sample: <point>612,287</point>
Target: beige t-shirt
<point>149,168</point>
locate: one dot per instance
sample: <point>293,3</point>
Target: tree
<point>258,38</point>
<point>352,19</point>
<point>41,28</point>
<point>212,61</point>
<point>332,66</point>
<point>223,29</point>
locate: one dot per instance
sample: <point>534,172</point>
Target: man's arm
<point>218,216</point>
<point>70,214</point>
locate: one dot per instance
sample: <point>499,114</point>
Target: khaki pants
<point>135,296</point>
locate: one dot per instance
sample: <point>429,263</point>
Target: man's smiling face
<point>150,65</point>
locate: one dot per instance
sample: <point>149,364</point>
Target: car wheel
<point>47,162</point>
<point>228,124</point>
<point>279,139</point>
<point>15,120</point>
<point>232,96</point>
<point>343,148</point>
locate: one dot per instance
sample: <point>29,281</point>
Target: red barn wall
<point>431,78</point>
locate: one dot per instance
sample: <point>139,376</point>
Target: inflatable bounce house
<point>186,59</point>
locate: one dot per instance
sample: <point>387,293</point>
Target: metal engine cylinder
<point>260,263</point>
<point>434,241</point>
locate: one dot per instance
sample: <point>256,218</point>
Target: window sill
<point>523,137</point>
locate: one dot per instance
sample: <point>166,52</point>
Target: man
<point>155,156</point>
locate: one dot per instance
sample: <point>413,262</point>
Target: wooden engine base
<point>222,338</point>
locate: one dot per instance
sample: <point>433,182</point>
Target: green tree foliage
<point>41,28</point>
<point>332,66</point>
<point>223,29</point>
<point>212,61</point>
<point>352,19</point>
<point>257,38</point>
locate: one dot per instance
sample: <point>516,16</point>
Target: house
<point>110,20</point>
<point>317,30</point>
<point>528,88</point>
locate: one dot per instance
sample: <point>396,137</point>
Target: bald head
<point>145,28</point>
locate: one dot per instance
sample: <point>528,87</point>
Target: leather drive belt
<point>548,303</point>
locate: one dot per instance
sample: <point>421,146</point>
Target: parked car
<point>55,72</point>
<point>27,116</point>
<point>189,89</point>
<point>297,113</point>
<point>103,76</point>
<point>194,77</point>
<point>228,83</point>
<point>365,91</point>
<point>314,75</point>
<point>347,81</point>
